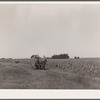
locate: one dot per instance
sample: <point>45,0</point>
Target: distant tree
<point>75,57</point>
<point>60,56</point>
<point>3,58</point>
<point>10,58</point>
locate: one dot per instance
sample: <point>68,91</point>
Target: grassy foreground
<point>60,74</point>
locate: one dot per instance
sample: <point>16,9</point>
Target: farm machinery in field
<point>39,63</point>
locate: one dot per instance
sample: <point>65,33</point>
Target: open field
<point>59,74</point>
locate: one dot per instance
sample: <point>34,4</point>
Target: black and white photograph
<point>49,46</point>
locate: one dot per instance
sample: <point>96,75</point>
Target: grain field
<point>59,74</point>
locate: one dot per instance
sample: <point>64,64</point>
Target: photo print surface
<point>49,46</point>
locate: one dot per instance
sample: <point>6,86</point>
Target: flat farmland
<point>81,73</point>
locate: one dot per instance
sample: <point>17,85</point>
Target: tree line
<point>60,56</point>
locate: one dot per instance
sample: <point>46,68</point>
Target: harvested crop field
<point>59,74</point>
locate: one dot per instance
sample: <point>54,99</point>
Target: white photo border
<point>50,93</point>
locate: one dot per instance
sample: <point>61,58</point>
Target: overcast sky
<point>48,29</point>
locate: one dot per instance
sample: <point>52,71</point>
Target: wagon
<point>40,64</point>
